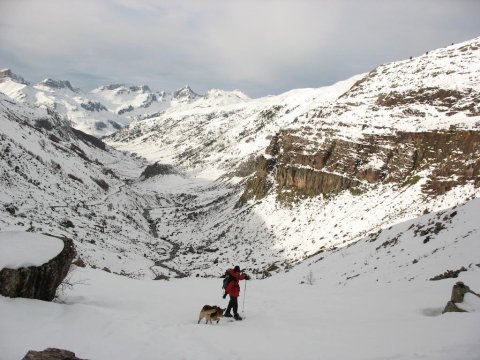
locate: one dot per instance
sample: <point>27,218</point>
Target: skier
<point>233,289</point>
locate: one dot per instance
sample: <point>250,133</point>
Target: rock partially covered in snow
<point>185,95</point>
<point>459,291</point>
<point>51,354</point>
<point>158,169</point>
<point>33,265</point>
<point>7,74</point>
<point>56,84</point>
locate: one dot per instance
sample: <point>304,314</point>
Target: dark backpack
<point>226,279</point>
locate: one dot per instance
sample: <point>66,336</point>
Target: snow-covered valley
<point>342,202</point>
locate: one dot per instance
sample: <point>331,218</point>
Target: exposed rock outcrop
<point>8,74</point>
<point>158,169</point>
<point>452,307</point>
<point>449,274</point>
<point>448,101</point>
<point>89,139</point>
<point>185,94</point>
<point>38,282</point>
<point>459,290</point>
<point>51,354</point>
<point>57,84</point>
<point>93,106</point>
<point>308,164</point>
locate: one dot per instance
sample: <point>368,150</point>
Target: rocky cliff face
<point>38,282</point>
<point>6,74</point>
<point>404,122</point>
<point>301,166</point>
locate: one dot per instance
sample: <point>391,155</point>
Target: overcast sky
<point>260,47</point>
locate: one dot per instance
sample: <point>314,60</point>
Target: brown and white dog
<point>210,313</point>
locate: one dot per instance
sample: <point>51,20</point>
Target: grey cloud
<point>260,47</point>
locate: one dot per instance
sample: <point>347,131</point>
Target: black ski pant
<point>232,305</point>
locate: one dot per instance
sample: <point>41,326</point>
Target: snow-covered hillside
<point>340,162</point>
<point>221,131</point>
<point>57,180</point>
<point>435,91</point>
<point>266,182</point>
<point>371,300</point>
<point>438,90</point>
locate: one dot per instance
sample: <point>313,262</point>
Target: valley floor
<point>106,316</point>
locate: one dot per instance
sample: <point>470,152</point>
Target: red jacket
<point>233,287</point>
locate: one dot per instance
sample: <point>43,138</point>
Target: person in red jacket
<point>233,289</point>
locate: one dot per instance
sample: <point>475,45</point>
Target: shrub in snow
<point>309,279</point>
<point>42,143</point>
<point>55,166</point>
<point>67,223</point>
<point>11,209</point>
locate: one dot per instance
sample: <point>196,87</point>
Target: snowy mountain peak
<point>108,87</point>
<point>185,94</point>
<point>6,74</point>
<point>120,89</point>
<point>217,93</point>
<point>143,89</point>
<point>57,84</point>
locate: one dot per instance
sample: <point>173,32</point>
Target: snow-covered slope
<point>438,90</point>
<point>336,163</point>
<point>435,91</point>
<point>57,180</point>
<point>222,130</point>
<point>371,300</point>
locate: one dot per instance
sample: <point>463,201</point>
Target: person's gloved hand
<point>247,277</point>
<point>224,295</point>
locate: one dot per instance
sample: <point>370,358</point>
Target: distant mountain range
<point>105,109</point>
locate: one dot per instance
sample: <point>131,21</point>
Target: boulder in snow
<point>459,290</point>
<point>33,265</point>
<point>50,354</point>
<point>452,307</point>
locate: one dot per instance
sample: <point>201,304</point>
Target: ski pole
<point>244,296</point>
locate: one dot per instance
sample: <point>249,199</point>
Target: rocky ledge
<point>308,164</point>
<point>38,282</point>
